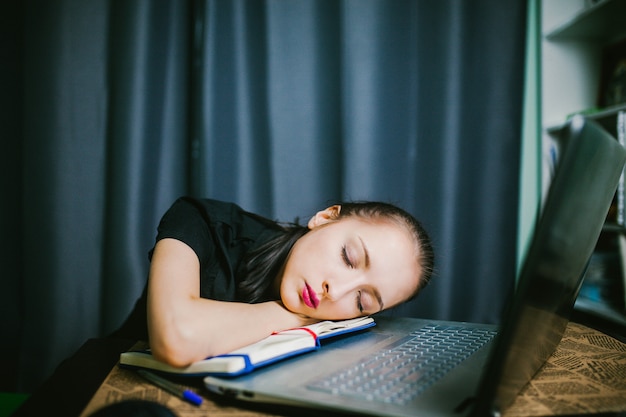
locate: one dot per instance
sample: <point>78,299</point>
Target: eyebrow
<point>367,265</point>
<point>366,252</point>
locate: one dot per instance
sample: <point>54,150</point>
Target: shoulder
<point>204,207</point>
<point>208,218</point>
<point>217,212</point>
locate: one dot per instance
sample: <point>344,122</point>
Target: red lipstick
<point>309,297</point>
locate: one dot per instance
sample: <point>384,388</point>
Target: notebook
<point>276,347</point>
<point>416,367</point>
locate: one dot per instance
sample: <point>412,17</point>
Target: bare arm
<point>184,327</point>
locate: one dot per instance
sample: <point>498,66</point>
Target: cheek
<point>340,310</point>
<point>332,316</point>
<point>289,294</point>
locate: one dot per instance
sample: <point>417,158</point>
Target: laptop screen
<point>565,236</point>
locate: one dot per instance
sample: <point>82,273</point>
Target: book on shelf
<point>621,242</point>
<point>621,203</point>
<point>276,347</point>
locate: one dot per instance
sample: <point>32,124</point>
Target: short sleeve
<point>221,234</point>
<point>187,222</point>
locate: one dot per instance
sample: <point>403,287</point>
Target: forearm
<point>203,328</point>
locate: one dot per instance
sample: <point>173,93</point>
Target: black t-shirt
<point>220,234</point>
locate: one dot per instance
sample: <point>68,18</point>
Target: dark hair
<point>261,266</point>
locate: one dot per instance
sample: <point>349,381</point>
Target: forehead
<point>380,231</point>
<point>394,268</point>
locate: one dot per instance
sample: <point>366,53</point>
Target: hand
<point>300,319</point>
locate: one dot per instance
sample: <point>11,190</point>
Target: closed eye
<point>346,258</point>
<point>359,303</point>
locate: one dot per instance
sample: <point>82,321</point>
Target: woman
<point>221,278</point>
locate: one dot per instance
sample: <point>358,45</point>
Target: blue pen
<point>172,388</point>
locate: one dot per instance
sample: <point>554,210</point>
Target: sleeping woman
<point>221,277</point>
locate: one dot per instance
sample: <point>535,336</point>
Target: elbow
<point>171,356</point>
<point>176,348</point>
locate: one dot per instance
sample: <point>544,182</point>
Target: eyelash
<point>346,259</point>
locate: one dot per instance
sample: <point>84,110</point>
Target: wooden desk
<point>586,374</point>
<point>91,379</point>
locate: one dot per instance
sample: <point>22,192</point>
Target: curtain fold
<point>232,132</point>
<point>11,103</point>
<point>379,79</point>
<point>63,142</point>
<point>147,141</point>
<point>280,106</point>
<point>304,102</point>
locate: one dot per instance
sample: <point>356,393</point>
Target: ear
<point>325,216</point>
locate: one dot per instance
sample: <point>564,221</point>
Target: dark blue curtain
<point>113,108</point>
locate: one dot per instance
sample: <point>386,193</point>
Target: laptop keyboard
<point>401,373</point>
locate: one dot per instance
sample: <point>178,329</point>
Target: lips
<point>309,297</point>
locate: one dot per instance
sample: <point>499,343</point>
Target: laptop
<point>416,367</point>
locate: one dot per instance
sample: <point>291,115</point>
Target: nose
<point>335,289</point>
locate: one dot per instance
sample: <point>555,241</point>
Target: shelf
<point>606,117</point>
<point>601,311</point>
<point>613,228</point>
<point>575,35</point>
<point>602,22</point>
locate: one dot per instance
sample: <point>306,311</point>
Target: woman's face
<point>348,268</point>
